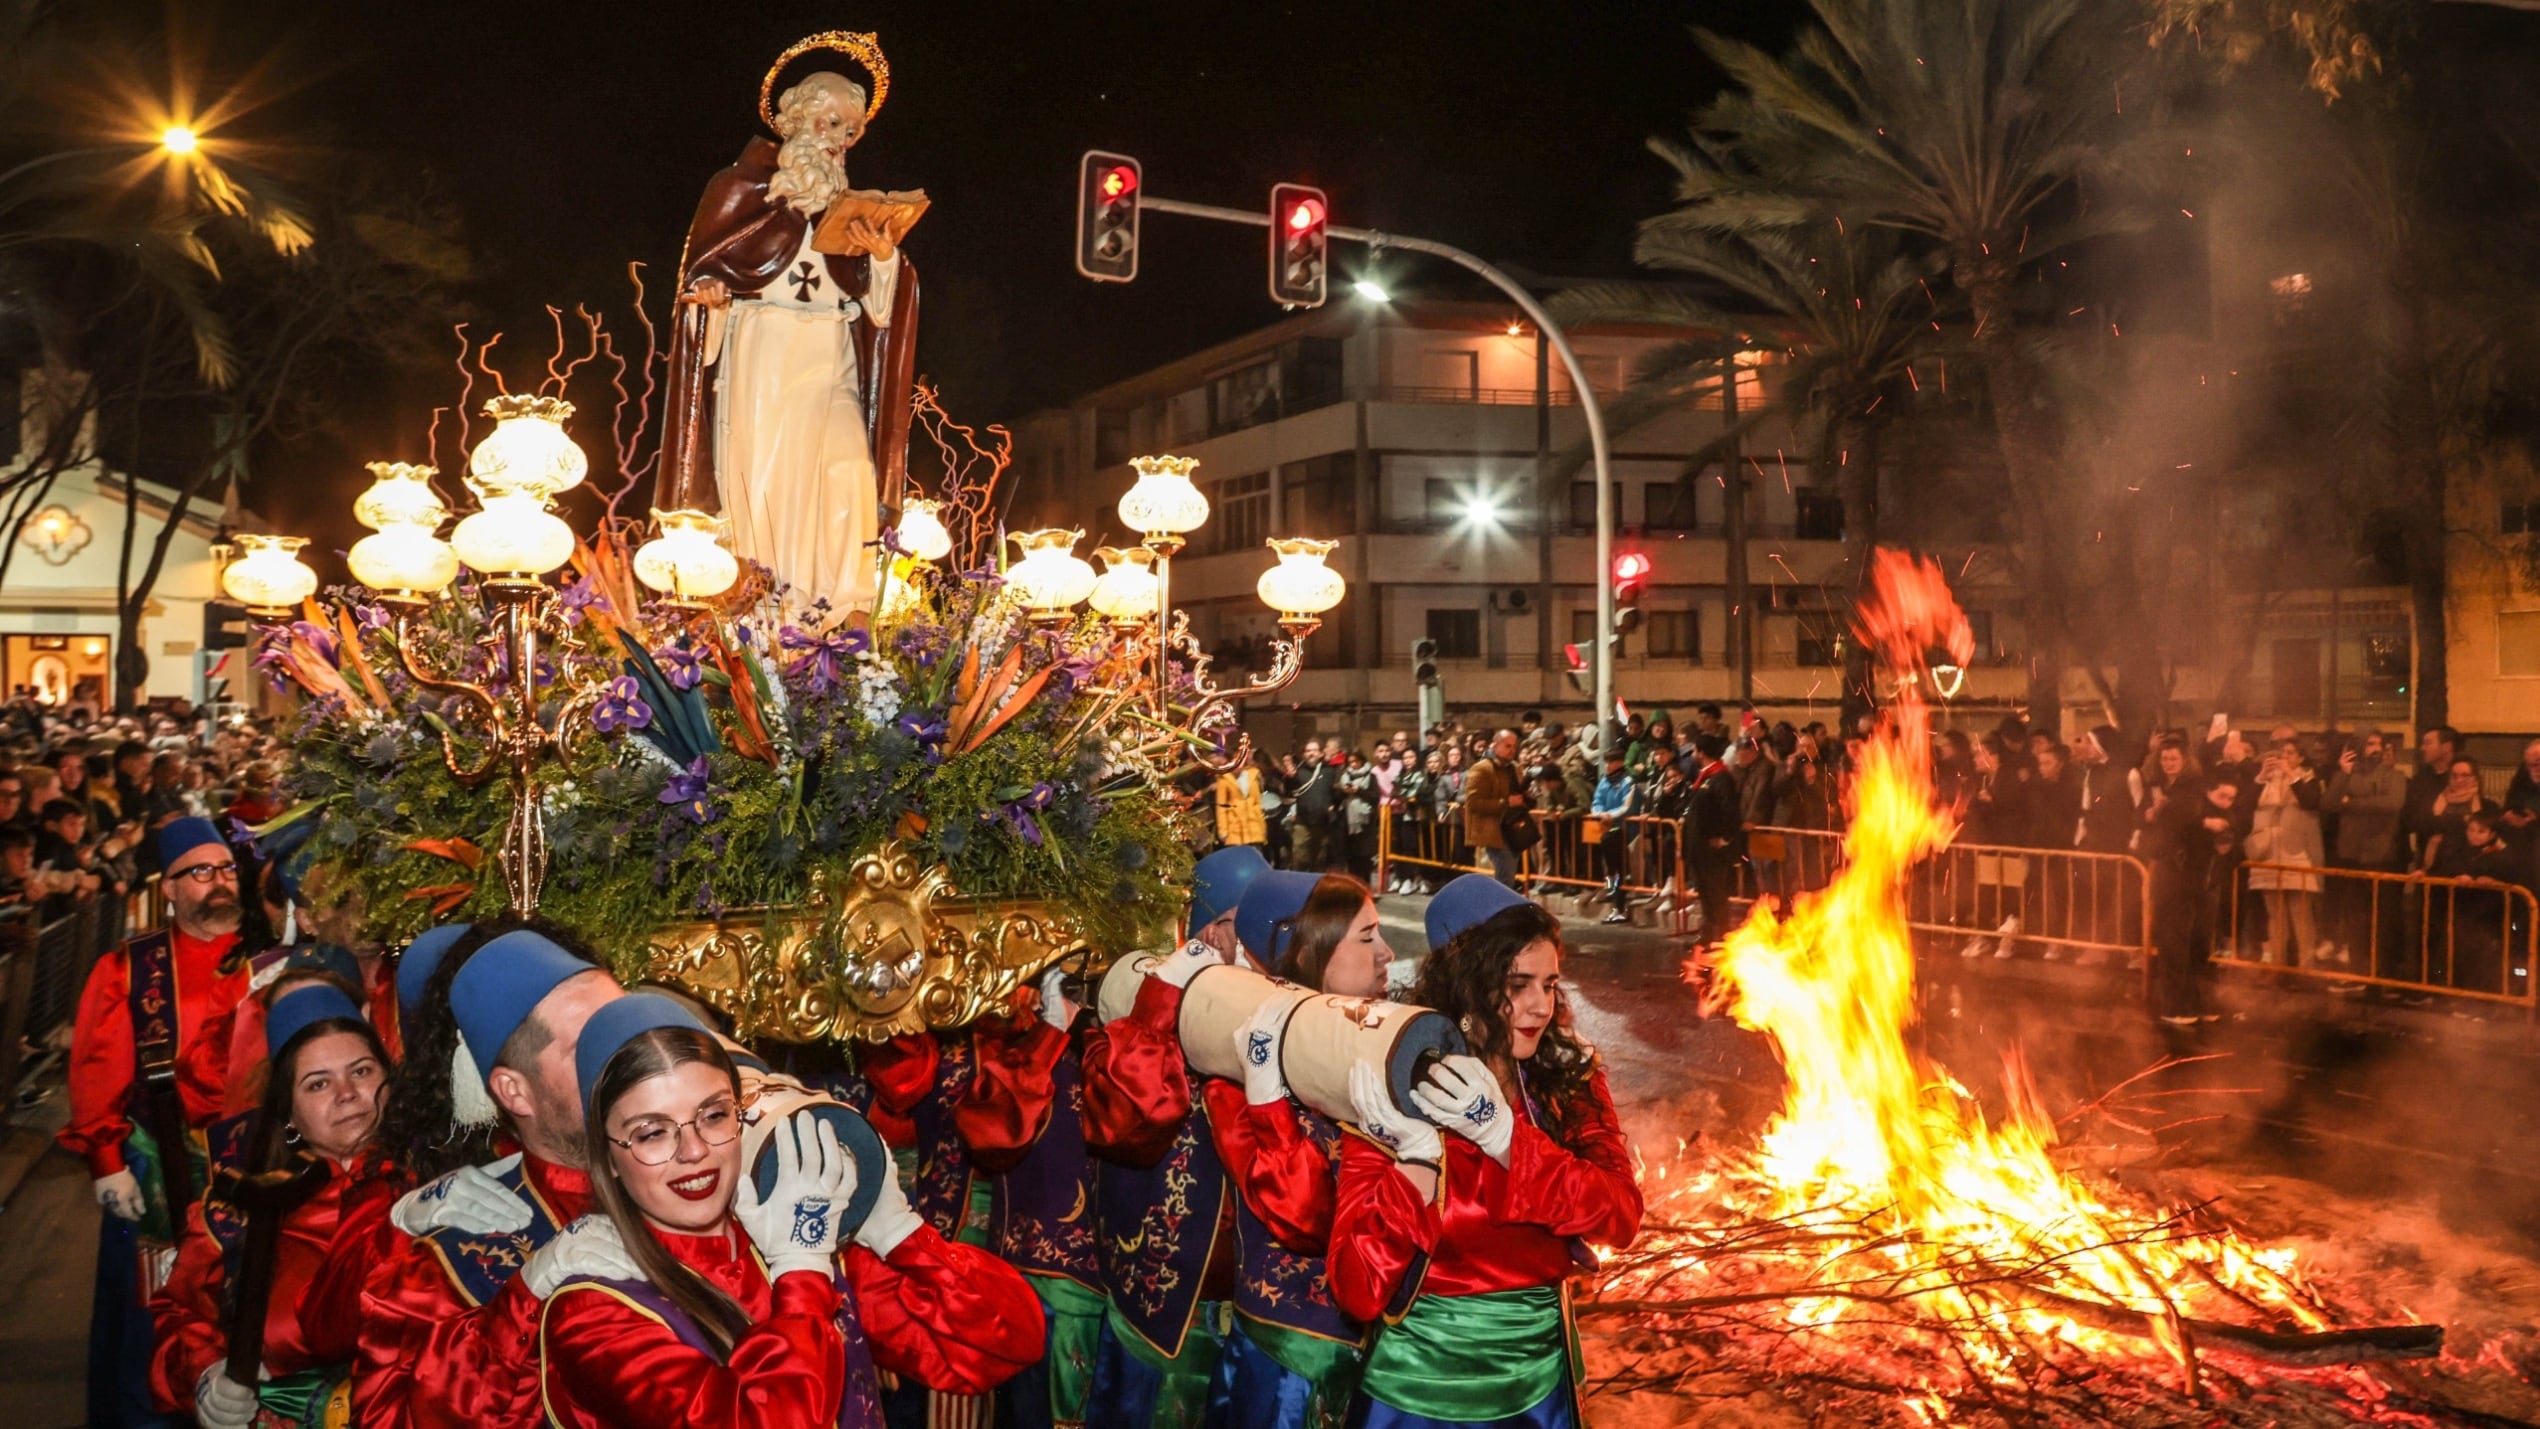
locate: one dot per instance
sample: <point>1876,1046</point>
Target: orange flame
<point>1881,1150</point>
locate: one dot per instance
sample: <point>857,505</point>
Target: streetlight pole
<point>1569,361</point>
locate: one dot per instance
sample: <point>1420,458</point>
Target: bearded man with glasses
<point>140,1136</point>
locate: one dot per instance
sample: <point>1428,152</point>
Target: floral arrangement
<point>737,759</point>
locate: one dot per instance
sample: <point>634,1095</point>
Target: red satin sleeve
<point>603,1361</point>
<point>330,1308</point>
<point>1283,1177</point>
<point>429,1360</point>
<point>950,1316</point>
<point>101,1069</point>
<point>901,1070</point>
<point>188,1317</point>
<point>1379,1226</point>
<point>1585,1189</point>
<point>1136,1089</point>
<point>1011,1097</point>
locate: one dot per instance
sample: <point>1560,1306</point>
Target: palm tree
<point>1966,123</point>
<point>1853,309</point>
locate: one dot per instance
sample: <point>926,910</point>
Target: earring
<point>290,1134</point>
<point>1464,1024</point>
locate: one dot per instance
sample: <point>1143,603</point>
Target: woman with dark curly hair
<point>1457,1246</point>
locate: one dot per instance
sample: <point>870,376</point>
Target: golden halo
<point>862,46</point>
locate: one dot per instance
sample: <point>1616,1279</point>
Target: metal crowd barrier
<point>2467,938</point>
<point>1644,850</point>
<point>1405,841</point>
<point>43,966</point>
<point>2060,898</point>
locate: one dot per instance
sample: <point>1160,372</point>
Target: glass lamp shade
<point>1047,575</point>
<point>268,577</point>
<point>401,559</point>
<point>1163,502</point>
<point>921,530</point>
<point>1127,590</point>
<point>400,494</point>
<point>513,536</point>
<point>686,561</point>
<point>1300,584</point>
<point>528,453</point>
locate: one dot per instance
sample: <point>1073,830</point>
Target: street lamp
<point>1371,290</point>
<point>178,139</point>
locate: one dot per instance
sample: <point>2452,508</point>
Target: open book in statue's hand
<point>890,214</point>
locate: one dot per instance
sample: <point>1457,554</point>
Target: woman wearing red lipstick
<point>753,1309</point>
<point>1456,1229</point>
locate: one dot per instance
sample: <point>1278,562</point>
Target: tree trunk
<point>1857,483</point>
<point>2026,436</point>
<point>2425,500</point>
<point>1741,621</point>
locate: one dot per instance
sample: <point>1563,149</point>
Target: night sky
<point>573,136</point>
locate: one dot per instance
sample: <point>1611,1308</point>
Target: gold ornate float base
<point>896,950</point>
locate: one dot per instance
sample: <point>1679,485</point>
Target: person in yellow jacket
<point>1239,816</point>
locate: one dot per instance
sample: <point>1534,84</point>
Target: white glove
<point>588,1248</point>
<point>221,1402</point>
<point>1407,1137</point>
<point>1054,1009</point>
<point>891,1220</point>
<point>795,1226</point>
<point>120,1194</point>
<point>1186,962</point>
<point>1461,1095</point>
<point>1257,1044</point>
<point>468,1199</point>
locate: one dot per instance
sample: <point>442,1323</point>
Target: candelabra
<point>513,541</point>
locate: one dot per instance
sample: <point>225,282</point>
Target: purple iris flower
<point>921,643</point>
<point>621,707</point>
<point>1071,674</point>
<point>319,637</point>
<point>1017,814</point>
<point>579,598</point>
<point>680,666</point>
<point>822,663</point>
<point>687,789</point>
<point>372,616</point>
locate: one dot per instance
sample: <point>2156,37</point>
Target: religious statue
<point>792,358</point>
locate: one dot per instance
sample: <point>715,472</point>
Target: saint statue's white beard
<point>807,179</point>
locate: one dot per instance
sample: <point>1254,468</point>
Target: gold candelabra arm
<point>1213,704</point>
<point>477,696</point>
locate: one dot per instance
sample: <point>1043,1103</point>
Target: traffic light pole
<point>1569,361</point>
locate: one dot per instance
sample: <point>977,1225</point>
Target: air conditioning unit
<point>1516,600</point>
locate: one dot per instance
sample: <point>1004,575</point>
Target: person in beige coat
<point>2286,831</point>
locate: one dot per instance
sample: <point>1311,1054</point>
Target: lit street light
<point>177,139</point>
<point>1371,290</point>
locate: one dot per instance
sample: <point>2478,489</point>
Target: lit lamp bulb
<point>1300,587</point>
<point>405,564</point>
<point>268,578</point>
<point>527,453</point>
<point>515,537</point>
<point>1047,575</point>
<point>921,530</point>
<point>686,562</point>
<point>1164,506</point>
<point>400,494</point>
<point>1127,592</point>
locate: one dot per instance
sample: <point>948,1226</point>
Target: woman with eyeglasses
<point>324,1089</point>
<point>756,1305</point>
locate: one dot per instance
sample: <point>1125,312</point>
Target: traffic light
<point>224,625</point>
<point>1631,582</point>
<point>1300,224</point>
<point>1107,217</point>
<point>1424,663</point>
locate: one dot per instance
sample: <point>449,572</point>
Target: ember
<point>1888,1235</point>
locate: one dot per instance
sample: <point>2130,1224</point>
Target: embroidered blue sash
<point>1156,1228</point>
<point>1278,1286</point>
<point>481,1265</point>
<point>1042,1219</point>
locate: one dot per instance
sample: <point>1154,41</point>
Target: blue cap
<point>1272,899</point>
<point>617,1024</point>
<point>422,959</point>
<point>1473,899</point>
<point>1219,881</point>
<point>502,985</point>
<point>331,958</point>
<point>300,1009</point>
<point>182,836</point>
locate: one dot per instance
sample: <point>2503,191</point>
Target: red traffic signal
<point>1107,217</point>
<point>1300,233</point>
<point>1631,580</point>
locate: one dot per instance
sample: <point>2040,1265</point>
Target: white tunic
<point>792,461</point>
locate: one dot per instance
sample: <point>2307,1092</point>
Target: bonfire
<point>1887,1250</point>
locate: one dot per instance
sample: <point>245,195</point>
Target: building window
<point>1583,506</point>
<point>2290,296</point>
<point>1446,501</point>
<point>1451,376</point>
<point>1820,516</point>
<point>2519,518</point>
<point>1819,642</point>
<point>1665,506</point>
<point>1239,512</point>
<point>1319,498</point>
<point>2518,642</point>
<point>1674,634</point>
<point>1458,633</point>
